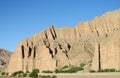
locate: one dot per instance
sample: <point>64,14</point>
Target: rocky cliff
<point>4,58</point>
<point>53,48</point>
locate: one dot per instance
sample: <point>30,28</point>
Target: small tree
<point>34,73</point>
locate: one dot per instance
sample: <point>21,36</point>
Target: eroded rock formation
<point>53,48</point>
<point>4,59</point>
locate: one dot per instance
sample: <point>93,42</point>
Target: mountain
<point>96,41</point>
<point>4,57</point>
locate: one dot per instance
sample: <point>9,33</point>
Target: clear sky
<point>20,19</point>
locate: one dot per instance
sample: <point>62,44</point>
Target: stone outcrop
<point>54,48</point>
<point>4,59</point>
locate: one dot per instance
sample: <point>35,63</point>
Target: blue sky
<point>20,19</point>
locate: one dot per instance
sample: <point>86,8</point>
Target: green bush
<point>112,70</point>
<point>14,74</point>
<point>54,76</point>
<point>82,65</point>
<point>92,71</point>
<point>107,70</point>
<point>101,70</point>
<point>70,70</point>
<point>47,71</point>
<point>118,71</point>
<point>3,73</point>
<point>75,69</point>
<point>17,73</point>
<point>34,73</point>
<point>57,71</point>
<point>65,67</point>
<point>25,74</point>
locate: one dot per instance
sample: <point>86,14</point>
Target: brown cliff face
<point>53,48</point>
<point>4,59</point>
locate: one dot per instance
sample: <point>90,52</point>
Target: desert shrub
<point>65,67</point>
<point>34,73</point>
<point>101,70</point>
<point>62,71</point>
<point>82,65</point>
<point>25,74</point>
<point>75,69</point>
<point>57,71</point>
<point>118,71</point>
<point>107,70</point>
<point>90,64</point>
<point>54,76</point>
<point>14,74</point>
<point>112,70</point>
<point>90,61</point>
<point>70,70</point>
<point>3,73</point>
<point>17,73</point>
<point>92,71</point>
<point>47,71</point>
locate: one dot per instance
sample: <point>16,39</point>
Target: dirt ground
<point>86,75</point>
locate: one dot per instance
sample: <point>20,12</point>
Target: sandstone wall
<point>53,48</point>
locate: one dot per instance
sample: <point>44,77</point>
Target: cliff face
<point>53,48</point>
<point>4,59</point>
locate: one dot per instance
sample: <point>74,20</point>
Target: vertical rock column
<point>96,62</point>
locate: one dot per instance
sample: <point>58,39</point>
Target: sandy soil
<point>87,75</point>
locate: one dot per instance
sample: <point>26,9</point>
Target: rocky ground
<point>75,75</point>
<point>86,75</point>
